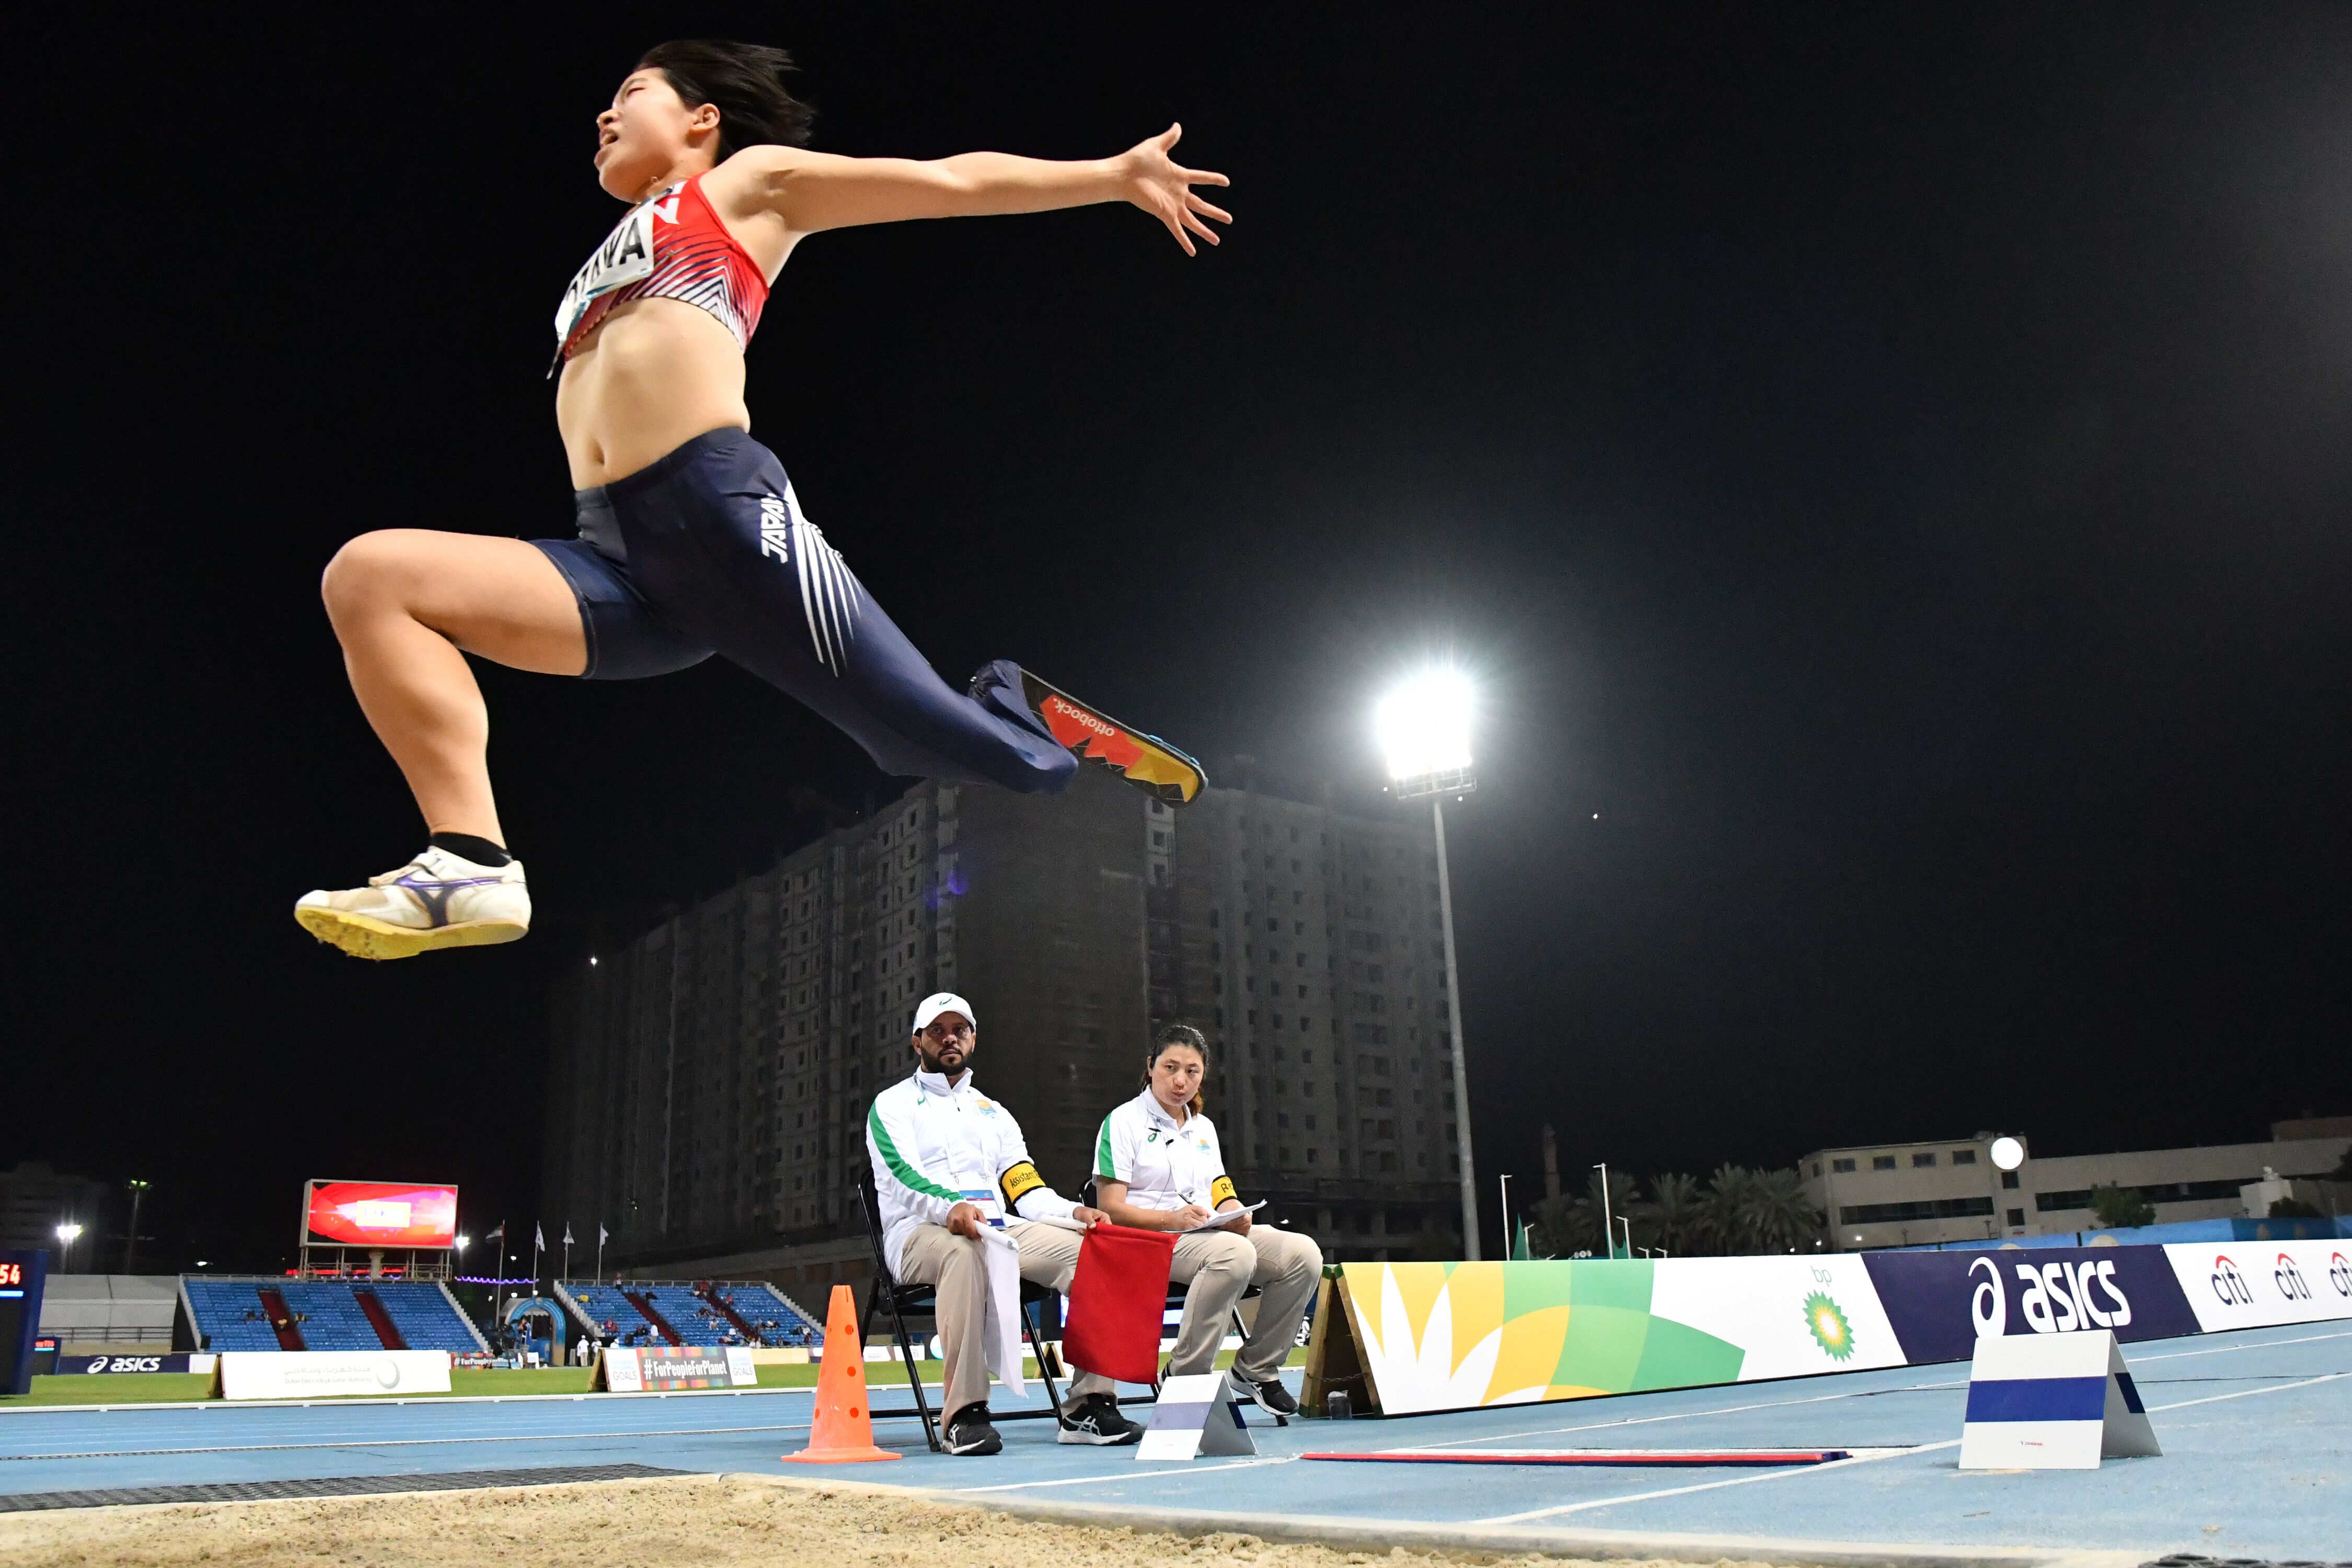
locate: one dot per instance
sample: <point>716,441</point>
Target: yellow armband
<point>1220,1191</point>
<point>1022,1178</point>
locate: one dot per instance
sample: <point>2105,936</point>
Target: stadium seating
<point>772,1318</point>
<point>327,1314</point>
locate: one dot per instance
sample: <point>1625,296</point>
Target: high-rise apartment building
<point>716,1070</point>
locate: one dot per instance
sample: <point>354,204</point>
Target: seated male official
<point>947,1160</point>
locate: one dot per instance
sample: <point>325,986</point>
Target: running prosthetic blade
<point>1147,761</point>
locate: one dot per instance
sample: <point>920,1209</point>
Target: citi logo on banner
<point>2056,1299</point>
<point>2230,1286</point>
<point>2339,1274</point>
<point>2289,1280</point>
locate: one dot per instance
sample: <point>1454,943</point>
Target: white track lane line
<point>1844,1464</point>
<point>1137,1473</point>
<point>399,1443</point>
<point>1855,1394</point>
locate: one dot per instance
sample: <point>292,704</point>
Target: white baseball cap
<point>940,1001</point>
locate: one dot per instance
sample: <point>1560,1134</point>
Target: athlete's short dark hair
<point>746,81</point>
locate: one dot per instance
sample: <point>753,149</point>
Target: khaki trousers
<point>1214,1267</point>
<point>954,1266</point>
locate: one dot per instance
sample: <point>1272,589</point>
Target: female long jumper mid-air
<point>691,541</point>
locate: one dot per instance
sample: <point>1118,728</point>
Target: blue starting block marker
<point>2053,1402</point>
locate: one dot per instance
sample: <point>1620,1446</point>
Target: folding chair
<point>921,1300</point>
<point>1176,1294</point>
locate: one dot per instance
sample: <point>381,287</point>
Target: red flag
<point>1116,1299</point>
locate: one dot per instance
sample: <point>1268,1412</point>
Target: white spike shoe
<point>437,900</point>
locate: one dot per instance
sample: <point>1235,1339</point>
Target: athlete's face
<point>946,1044</point>
<point>649,134</point>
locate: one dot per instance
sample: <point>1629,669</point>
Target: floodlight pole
<point>1461,1068</point>
<point>1608,1221</point>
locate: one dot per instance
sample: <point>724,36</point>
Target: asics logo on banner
<point>829,594</point>
<point>2055,1298</point>
<point>2289,1280</point>
<point>2339,1273</point>
<point>2230,1285</point>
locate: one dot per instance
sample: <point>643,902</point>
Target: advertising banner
<point>379,1214</point>
<point>1453,1336</point>
<point>660,1368</point>
<point>2260,1284</point>
<point>174,1362</point>
<point>318,1374</point>
<point>1940,1302</point>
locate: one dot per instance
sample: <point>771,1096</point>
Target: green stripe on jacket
<point>907,1176</point>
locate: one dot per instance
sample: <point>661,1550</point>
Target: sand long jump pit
<point>685,1520</point>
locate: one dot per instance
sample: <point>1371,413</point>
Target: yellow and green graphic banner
<point>1453,1336</point>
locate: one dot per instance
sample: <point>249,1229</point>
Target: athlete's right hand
<point>964,1219</point>
<point>1153,181</point>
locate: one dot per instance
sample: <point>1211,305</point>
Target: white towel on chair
<point>1000,1332</point>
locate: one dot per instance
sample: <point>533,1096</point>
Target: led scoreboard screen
<point>379,1214</point>
<point>22,1275</point>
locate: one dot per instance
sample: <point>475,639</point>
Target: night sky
<point>1887,466</point>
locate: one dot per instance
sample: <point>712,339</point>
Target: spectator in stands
<point>948,1160</point>
<point>1157,1167</point>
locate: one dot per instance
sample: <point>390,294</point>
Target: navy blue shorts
<point>706,551</point>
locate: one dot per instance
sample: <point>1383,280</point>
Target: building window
<point>1843,1167</point>
<point>1964,1156</point>
<point>1882,1162</point>
<point>1921,1161</point>
<point>1310,1156</point>
<point>2008,1178</point>
<point>1817,1167</point>
<point>2016,1217</point>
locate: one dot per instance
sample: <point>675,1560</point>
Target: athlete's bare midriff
<point>651,377</point>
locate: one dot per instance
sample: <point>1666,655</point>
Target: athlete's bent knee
<point>361,574</point>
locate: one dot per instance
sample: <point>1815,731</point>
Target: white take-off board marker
<point>2053,1402</point>
<point>1195,1414</point>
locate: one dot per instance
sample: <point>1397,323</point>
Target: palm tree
<point>1670,1219</point>
<point>1564,1227</point>
<point>1781,1215</point>
<point>1724,1210</point>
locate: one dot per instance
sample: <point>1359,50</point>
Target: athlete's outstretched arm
<point>810,192</point>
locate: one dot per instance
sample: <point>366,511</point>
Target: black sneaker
<point>1270,1397</point>
<point>969,1432</point>
<point>1095,1419</point>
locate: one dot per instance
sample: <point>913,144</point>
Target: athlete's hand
<point>1153,181</point>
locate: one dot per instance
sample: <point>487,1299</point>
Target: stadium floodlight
<point>2008,1154</point>
<point>1423,726</point>
<point>66,1235</point>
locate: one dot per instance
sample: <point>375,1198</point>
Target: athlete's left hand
<point>1153,181</point>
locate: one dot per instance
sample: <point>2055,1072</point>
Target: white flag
<point>538,1237</point>
<point>1001,1330</point>
<point>602,1236</point>
<point>567,1233</point>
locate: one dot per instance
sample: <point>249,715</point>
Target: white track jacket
<point>935,1145</point>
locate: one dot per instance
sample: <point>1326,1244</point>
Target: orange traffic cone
<point>843,1434</point>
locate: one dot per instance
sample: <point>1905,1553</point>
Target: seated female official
<point>1157,1167</point>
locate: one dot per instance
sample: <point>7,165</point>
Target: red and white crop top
<point>670,247</point>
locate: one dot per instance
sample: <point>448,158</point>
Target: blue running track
<point>2256,1429</point>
